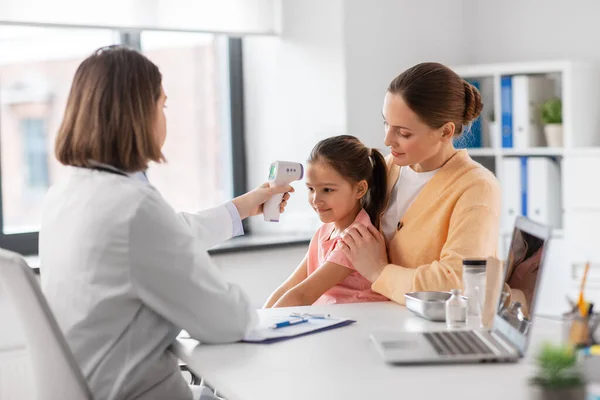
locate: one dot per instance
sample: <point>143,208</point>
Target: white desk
<point>343,363</point>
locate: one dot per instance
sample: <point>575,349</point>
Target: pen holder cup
<point>580,331</point>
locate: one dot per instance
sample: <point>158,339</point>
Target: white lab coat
<point>124,273</point>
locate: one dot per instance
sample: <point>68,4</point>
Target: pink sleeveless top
<point>354,288</point>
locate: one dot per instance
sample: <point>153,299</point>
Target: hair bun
<point>473,104</point>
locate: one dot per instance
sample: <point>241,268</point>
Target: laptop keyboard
<point>457,343</point>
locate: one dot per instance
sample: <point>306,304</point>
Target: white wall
<point>513,30</point>
<point>260,272</point>
<point>294,96</point>
<point>381,39</point>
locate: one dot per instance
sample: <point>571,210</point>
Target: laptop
<point>508,338</point>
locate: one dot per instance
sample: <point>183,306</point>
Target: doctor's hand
<point>365,248</point>
<point>251,203</point>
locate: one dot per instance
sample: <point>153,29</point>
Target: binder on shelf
<point>544,203</point>
<point>511,193</point>
<point>528,93</point>
<point>506,110</point>
<point>524,180</point>
<point>532,189</point>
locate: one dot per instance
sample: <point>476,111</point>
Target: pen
<point>288,323</point>
<point>580,301</point>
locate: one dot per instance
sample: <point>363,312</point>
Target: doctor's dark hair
<point>356,162</point>
<point>111,110</point>
<point>438,95</point>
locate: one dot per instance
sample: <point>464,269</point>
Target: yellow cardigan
<point>456,215</point>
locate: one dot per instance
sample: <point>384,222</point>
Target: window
<point>198,172</point>
<point>204,117</point>
<point>37,65</point>
<point>36,154</point>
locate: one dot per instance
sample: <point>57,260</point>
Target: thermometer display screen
<point>272,172</point>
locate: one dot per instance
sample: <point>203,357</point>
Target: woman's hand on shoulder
<point>365,248</point>
<point>251,203</point>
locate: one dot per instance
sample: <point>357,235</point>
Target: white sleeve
<point>211,226</point>
<point>176,278</point>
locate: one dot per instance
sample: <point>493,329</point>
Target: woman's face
<point>160,125</point>
<point>410,139</point>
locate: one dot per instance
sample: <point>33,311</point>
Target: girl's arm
<point>297,276</point>
<point>310,289</point>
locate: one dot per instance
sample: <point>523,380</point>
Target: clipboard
<point>263,334</point>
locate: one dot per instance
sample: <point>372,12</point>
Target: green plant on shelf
<point>552,111</point>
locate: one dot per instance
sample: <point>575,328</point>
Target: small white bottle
<point>456,310</point>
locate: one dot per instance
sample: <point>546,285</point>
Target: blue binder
<point>506,109</point>
<point>524,186</point>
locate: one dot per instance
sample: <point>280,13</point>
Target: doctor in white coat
<point>122,271</point>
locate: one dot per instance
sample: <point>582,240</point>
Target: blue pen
<point>288,323</point>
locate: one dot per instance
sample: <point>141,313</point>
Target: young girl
<point>346,183</point>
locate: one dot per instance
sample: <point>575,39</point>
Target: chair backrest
<point>56,374</point>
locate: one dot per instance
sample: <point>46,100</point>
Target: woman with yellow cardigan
<point>442,206</point>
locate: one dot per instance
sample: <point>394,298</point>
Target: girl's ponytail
<point>374,200</point>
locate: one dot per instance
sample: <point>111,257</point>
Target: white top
<point>345,364</point>
<point>123,274</point>
<point>407,188</point>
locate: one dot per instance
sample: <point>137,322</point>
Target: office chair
<point>56,374</point>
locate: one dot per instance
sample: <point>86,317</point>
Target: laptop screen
<point>523,274</point>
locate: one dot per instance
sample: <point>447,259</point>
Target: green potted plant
<point>552,119</point>
<point>558,375</point>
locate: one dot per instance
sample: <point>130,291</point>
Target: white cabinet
<point>556,280</point>
<point>583,238</point>
<point>582,188</point>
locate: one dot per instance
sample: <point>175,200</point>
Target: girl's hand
<point>251,203</point>
<point>365,248</point>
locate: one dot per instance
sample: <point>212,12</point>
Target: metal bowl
<point>428,305</point>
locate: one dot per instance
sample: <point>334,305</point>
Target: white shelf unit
<point>532,151</point>
<point>483,152</point>
<point>575,241</point>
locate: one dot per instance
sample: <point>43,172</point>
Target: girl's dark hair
<point>356,162</point>
<point>438,95</point>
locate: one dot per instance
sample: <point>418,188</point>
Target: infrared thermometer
<point>281,173</point>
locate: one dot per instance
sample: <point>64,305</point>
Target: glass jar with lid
<point>474,284</point>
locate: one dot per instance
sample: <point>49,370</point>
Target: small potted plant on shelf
<point>558,376</point>
<point>552,120</point>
